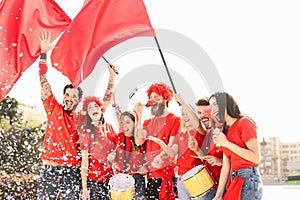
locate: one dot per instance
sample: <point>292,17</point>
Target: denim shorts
<point>253,186</point>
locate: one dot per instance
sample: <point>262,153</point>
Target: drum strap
<point>208,143</point>
<point>126,159</point>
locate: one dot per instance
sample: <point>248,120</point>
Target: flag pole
<point>163,59</point>
<point>169,75</point>
<point>109,64</point>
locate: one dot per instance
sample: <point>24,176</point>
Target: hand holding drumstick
<point>212,160</point>
<point>194,146</point>
<point>192,143</point>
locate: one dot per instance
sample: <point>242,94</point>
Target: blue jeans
<point>253,186</point>
<point>183,194</point>
<point>139,186</point>
<point>98,190</point>
<point>59,180</point>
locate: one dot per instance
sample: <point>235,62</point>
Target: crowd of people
<point>209,154</point>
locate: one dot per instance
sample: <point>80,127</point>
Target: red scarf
<point>234,190</point>
<point>166,189</point>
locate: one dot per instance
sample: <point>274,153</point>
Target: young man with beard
<point>211,154</point>
<point>163,125</point>
<point>61,163</point>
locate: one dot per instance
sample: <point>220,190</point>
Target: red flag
<point>21,22</point>
<point>100,25</point>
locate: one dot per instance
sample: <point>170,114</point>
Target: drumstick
<point>116,147</point>
<point>202,158</point>
<point>146,163</point>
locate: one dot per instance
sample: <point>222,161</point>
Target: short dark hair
<point>80,92</point>
<point>202,102</point>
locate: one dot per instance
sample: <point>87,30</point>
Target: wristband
<point>43,56</point>
<point>43,69</point>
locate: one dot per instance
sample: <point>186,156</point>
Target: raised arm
<point>139,133</point>
<point>45,44</point>
<point>191,114</point>
<point>107,99</point>
<point>116,107</point>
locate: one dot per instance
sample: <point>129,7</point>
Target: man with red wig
<point>163,125</point>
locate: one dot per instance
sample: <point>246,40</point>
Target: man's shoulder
<point>52,103</point>
<point>173,116</point>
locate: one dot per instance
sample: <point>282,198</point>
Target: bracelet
<point>43,56</point>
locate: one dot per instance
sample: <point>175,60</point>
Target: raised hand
<point>45,41</point>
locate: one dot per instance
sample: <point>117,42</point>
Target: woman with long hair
<point>130,158</point>
<point>240,177</point>
<point>97,140</point>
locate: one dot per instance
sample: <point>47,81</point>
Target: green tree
<point>20,141</point>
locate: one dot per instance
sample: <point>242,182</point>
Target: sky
<point>254,46</point>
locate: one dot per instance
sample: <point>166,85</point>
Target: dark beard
<point>159,111</point>
<point>69,111</point>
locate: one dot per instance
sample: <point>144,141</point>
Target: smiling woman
<point>246,56</point>
<point>97,141</point>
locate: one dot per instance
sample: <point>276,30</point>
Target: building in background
<point>279,160</point>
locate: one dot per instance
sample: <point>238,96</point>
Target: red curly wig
<point>161,89</point>
<point>90,99</point>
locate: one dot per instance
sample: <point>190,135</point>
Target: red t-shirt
<point>185,161</point>
<point>61,136</point>
<point>162,128</point>
<point>99,168</point>
<point>240,132</point>
<point>212,150</point>
<point>135,157</point>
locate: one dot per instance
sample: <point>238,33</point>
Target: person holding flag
<point>60,172</point>
<point>164,125</point>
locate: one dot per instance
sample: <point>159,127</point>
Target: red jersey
<point>129,155</point>
<point>209,148</point>
<point>162,128</point>
<point>240,132</point>
<point>185,160</point>
<point>99,168</point>
<point>61,136</point>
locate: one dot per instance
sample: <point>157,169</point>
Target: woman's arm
<point>110,86</point>
<point>223,178</point>
<point>170,150</point>
<point>84,173</point>
<point>139,133</point>
<point>196,123</point>
<point>251,153</point>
